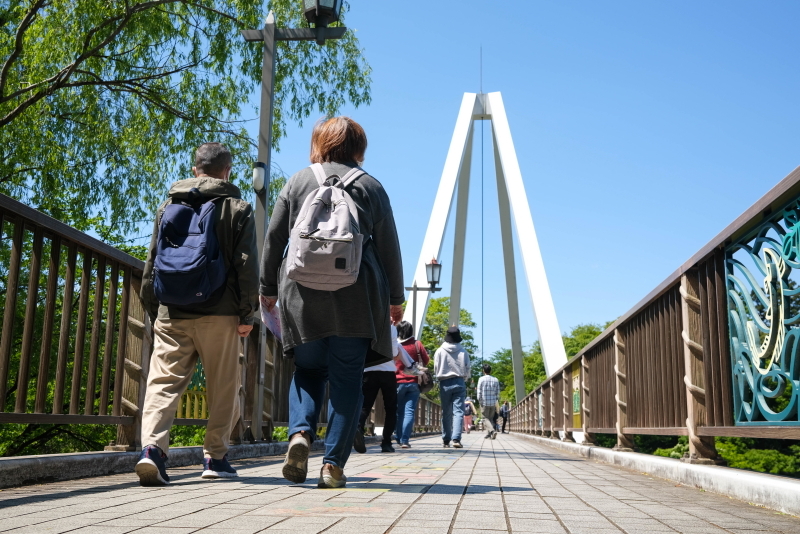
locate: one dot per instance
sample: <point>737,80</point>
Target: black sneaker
<point>457,444</point>
<point>358,442</point>
<point>152,467</point>
<point>387,447</point>
<point>218,468</point>
<point>446,444</point>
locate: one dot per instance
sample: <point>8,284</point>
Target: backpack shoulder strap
<point>352,176</point>
<point>319,173</point>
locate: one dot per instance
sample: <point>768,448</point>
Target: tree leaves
<point>102,103</point>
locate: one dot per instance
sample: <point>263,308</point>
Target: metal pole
<point>414,310</point>
<point>265,128</point>
<point>262,198</point>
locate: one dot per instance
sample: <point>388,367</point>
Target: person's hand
<point>244,330</point>
<point>267,302</point>
<point>396,313</point>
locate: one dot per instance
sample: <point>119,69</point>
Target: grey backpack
<point>325,244</point>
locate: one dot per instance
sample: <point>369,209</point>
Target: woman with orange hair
<point>332,333</point>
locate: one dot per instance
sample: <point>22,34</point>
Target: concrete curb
<point>26,470</point>
<point>771,491</point>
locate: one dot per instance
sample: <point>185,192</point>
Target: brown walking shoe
<point>295,465</point>
<point>331,476</point>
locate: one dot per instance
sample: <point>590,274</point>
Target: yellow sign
<point>576,394</point>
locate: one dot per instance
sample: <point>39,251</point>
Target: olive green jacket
<point>236,229</point>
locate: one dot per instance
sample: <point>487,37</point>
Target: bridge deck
<point>506,485</point>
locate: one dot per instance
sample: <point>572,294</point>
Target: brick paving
<point>505,485</point>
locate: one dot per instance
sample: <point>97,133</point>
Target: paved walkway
<point>506,485</point>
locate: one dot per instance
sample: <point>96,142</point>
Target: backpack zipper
<point>315,238</point>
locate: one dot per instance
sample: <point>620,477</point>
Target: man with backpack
<point>200,288</point>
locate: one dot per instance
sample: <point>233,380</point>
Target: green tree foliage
<point>533,362</point>
<point>437,321</point>
<point>102,103</point>
<point>775,456</point>
<point>23,440</point>
<point>532,366</point>
<point>582,335</point>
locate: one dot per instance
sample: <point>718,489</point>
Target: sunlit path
<point>507,485</point>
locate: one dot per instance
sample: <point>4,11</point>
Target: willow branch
<point>18,42</point>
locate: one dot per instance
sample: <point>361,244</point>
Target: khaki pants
<point>178,343</point>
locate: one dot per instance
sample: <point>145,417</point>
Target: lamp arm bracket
<point>296,34</point>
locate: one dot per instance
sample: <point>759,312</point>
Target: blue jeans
<point>407,398</point>
<point>452,393</point>
<point>339,360</point>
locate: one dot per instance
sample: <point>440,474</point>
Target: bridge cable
<point>483,317</point>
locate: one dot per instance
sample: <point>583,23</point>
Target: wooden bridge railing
<point>712,351</point>
<point>68,320</point>
<point>75,342</point>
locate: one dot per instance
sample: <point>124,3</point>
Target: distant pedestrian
<point>381,378</point>
<point>332,333</point>
<point>469,413</point>
<point>505,410</point>
<point>198,313</point>
<point>407,385</point>
<point>452,366</point>
<point>488,393</point>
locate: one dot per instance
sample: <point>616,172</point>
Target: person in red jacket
<point>407,387</point>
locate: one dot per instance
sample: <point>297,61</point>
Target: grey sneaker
<point>295,466</point>
<point>331,476</point>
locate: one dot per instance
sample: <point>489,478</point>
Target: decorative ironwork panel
<point>764,314</point>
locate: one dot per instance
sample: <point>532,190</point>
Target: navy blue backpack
<point>188,268</point>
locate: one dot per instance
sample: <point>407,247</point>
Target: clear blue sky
<point>642,129</point>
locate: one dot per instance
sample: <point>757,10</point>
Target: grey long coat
<point>360,310</point>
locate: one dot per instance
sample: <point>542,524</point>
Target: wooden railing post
<point>624,442</point>
<point>566,408</point>
<point>702,449</point>
<point>136,363</point>
<point>586,410</point>
<point>552,412</point>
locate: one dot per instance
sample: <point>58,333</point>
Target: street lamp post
<point>434,272</point>
<point>319,13</point>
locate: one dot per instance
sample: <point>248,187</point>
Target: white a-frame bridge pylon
<point>512,200</point>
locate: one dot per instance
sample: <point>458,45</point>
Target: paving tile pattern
<point>490,486</point>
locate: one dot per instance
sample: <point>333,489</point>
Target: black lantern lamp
<point>322,12</point>
<point>434,270</point>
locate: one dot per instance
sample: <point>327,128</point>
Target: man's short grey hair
<point>212,159</point>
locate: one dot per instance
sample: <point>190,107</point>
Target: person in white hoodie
<point>451,366</point>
